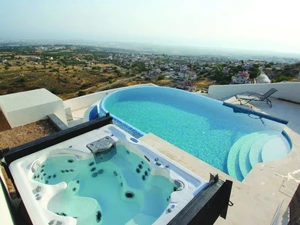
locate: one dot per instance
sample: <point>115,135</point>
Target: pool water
<point>106,190</point>
<point>200,126</point>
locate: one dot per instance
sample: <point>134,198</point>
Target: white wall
<point>286,90</point>
<point>87,100</point>
<point>30,106</point>
<point>35,113</point>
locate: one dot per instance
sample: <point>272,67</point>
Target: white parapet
<point>286,90</point>
<point>83,102</point>
<point>31,106</point>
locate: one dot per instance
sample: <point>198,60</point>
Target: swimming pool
<point>104,176</point>
<point>206,128</point>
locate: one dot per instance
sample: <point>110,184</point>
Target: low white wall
<point>87,100</point>
<point>35,113</point>
<point>286,90</point>
<point>30,106</point>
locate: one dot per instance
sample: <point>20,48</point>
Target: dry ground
<point>63,80</point>
<point>203,83</point>
<point>21,135</point>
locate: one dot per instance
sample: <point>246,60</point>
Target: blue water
<point>98,188</point>
<point>200,126</point>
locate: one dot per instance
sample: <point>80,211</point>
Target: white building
<point>262,78</point>
<point>241,78</point>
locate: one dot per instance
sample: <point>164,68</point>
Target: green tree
<point>253,72</point>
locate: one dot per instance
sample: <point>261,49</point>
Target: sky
<point>264,25</point>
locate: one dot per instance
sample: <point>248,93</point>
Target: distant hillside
<point>283,73</point>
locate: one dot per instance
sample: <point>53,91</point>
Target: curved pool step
<point>244,162</point>
<point>233,156</point>
<point>253,148</point>
<point>275,148</point>
<point>255,151</point>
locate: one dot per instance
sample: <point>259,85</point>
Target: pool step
<point>255,151</point>
<point>274,149</point>
<point>244,162</point>
<point>253,148</point>
<point>233,156</point>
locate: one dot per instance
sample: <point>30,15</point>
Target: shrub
<point>55,91</point>
<point>282,78</point>
<point>161,77</point>
<point>54,70</point>
<point>81,93</point>
<point>21,80</point>
<point>86,85</point>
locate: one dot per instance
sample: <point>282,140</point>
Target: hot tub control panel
<point>101,145</point>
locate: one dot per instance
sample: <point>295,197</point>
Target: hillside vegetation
<point>69,71</point>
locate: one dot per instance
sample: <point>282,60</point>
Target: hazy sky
<point>242,24</point>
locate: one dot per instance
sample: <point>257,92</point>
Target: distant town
<point>75,70</point>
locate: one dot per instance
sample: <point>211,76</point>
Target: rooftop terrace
<point>264,195</point>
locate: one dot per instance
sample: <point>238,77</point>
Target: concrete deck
<point>264,195</point>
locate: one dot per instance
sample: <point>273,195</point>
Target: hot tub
<point>104,176</point>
